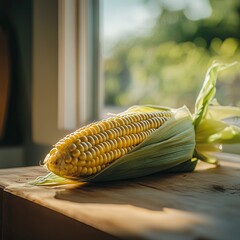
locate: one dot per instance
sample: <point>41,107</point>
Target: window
<point>157,51</point>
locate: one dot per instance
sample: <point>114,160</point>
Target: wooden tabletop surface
<point>204,204</point>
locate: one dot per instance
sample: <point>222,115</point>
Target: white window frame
<point>78,62</point>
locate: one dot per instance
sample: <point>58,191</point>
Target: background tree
<point>167,65</point>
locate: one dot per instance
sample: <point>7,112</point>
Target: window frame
<point>79,81</point>
<point>66,71</point>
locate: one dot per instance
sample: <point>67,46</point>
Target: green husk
<point>214,124</point>
<point>179,143</point>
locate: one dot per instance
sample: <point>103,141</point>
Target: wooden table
<point>202,205</point>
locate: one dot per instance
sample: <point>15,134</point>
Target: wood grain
<point>203,204</point>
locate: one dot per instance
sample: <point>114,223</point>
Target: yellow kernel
<point>106,125</point>
<point>151,123</point>
<point>96,161</point>
<point>89,145</point>
<point>76,153</point>
<point>119,142</point>
<point>141,117</point>
<point>105,158</point>
<point>67,141</point>
<point>88,164</point>
<point>120,121</point>
<point>117,131</point>
<point>110,134</point>
<point>84,170</point>
<point>89,155</point>
<point>134,118</point>
<point>78,134</point>
<point>131,140</point>
<point>134,127</point>
<point>145,135</point>
<point>94,170</point>
<point>125,120</point>
<point>83,156</point>
<point>95,129</point>
<point>100,127</point>
<point>89,171</point>
<point>122,130</point>
<point>98,168</point>
<point>89,131</point>
<point>135,139</point>
<point>122,151</point>
<point>74,161</point>
<point>155,122</point>
<point>108,157</point>
<point>73,137</point>
<point>91,140</point>
<point>101,159</point>
<point>111,123</point>
<point>68,159</point>
<point>147,124</point>
<point>115,143</point>
<point>111,144</point>
<point>128,140</point>
<point>124,142</point>
<point>95,139</point>
<point>77,142</point>
<point>118,152</point>
<point>127,130</point>
<point>97,151</point>
<point>100,147</point>
<point>112,155</point>
<point>93,162</point>
<point>83,139</point>
<point>106,146</point>
<point>83,147</point>
<point>102,137</point>
<point>93,152</point>
<point>84,132</point>
<point>81,163</point>
<point>105,134</point>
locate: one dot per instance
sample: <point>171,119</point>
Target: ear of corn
<point>93,148</point>
<point>145,140</point>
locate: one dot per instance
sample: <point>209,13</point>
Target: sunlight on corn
<point>145,139</point>
<point>91,149</point>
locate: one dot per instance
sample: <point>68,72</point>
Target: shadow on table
<point>207,186</point>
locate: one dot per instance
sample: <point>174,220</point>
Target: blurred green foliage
<point>167,65</point>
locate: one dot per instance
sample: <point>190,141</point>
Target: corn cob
<point>90,149</point>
